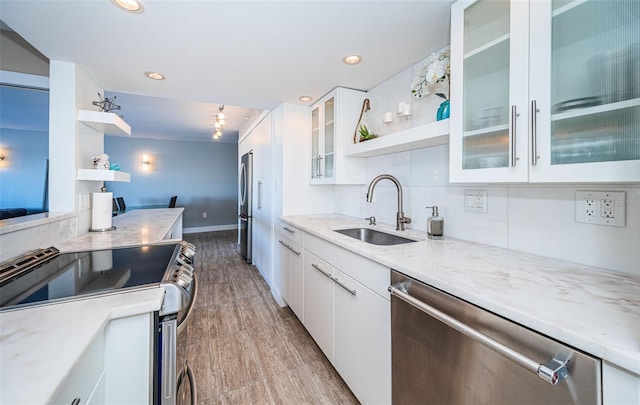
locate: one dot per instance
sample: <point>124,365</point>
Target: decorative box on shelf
<point>105,122</point>
<point>423,136</point>
<point>103,175</point>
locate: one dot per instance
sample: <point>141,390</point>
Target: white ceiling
<point>244,54</point>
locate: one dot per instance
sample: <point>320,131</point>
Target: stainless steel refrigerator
<point>245,223</point>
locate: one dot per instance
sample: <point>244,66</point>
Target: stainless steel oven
<point>46,276</point>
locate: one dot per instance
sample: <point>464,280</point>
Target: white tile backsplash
<point>538,219</point>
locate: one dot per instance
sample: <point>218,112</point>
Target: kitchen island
<point>135,227</point>
<point>42,346</point>
<point>594,310</point>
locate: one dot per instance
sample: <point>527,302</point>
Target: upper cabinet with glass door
<point>333,122</point>
<point>552,95</point>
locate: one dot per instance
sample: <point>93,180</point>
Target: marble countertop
<point>594,310</point>
<point>39,348</point>
<point>30,221</point>
<point>136,227</point>
<point>40,345</point>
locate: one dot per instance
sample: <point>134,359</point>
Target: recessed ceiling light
<point>154,75</point>
<point>131,6</point>
<point>305,98</point>
<point>352,59</point>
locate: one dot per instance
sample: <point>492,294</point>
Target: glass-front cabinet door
<point>585,90</point>
<point>315,143</point>
<point>329,138</point>
<point>489,91</point>
<point>333,121</point>
<point>545,91</point>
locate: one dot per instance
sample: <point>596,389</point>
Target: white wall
<point>538,219</point>
<point>71,144</point>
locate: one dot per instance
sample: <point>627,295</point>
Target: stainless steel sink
<point>374,237</point>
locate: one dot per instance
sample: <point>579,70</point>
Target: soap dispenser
<point>435,224</point>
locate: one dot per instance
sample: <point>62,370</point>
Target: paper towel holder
<point>103,189</point>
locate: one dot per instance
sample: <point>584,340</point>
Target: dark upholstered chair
<point>122,207</point>
<point>114,208</point>
<point>172,201</point>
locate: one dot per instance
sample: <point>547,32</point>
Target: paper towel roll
<point>101,211</point>
<point>102,260</point>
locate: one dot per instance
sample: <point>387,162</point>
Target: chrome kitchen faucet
<point>400,218</point>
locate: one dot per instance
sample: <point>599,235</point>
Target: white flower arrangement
<point>436,70</point>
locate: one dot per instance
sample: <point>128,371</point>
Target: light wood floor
<point>243,347</point>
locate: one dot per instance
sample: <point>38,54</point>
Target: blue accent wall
<point>203,175</point>
<point>23,171</point>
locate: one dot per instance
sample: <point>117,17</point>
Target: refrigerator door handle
<point>243,184</point>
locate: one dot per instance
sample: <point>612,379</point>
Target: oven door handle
<point>187,372</point>
<point>192,301</point>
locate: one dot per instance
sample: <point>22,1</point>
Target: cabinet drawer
<point>371,274</point>
<point>86,374</point>
<point>291,232</point>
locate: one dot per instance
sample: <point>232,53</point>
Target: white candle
<point>388,117</point>
<point>406,109</point>
<point>400,107</point>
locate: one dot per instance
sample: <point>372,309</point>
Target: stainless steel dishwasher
<point>448,351</point>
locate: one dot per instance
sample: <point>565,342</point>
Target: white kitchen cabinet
<point>128,356</point>
<point>619,387</point>
<point>545,91</point>
<point>348,313</point>
<point>362,353</point>
<point>86,380</point>
<point>333,122</point>
<point>318,302</point>
<point>259,141</point>
<point>291,269</point>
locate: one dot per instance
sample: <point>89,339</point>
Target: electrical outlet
<point>204,215</point>
<point>601,207</point>
<point>475,201</point>
<point>83,202</point>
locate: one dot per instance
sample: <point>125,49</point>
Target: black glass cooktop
<point>70,275</point>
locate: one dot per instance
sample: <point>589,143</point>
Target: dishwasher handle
<point>552,372</point>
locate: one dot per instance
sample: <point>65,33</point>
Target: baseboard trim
<point>213,228</point>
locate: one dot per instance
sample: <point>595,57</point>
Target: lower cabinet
<point>291,278</point>
<point>115,368</point>
<point>348,316</point>
<point>318,302</point>
<point>86,381</point>
<point>362,353</point>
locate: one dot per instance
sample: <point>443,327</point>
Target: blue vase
<point>443,111</point>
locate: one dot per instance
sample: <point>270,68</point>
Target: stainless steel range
<point>46,277</point>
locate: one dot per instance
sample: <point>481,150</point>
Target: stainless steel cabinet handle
<point>534,133</point>
<point>319,166</point>
<point>335,280</point>
<point>315,266</point>
<point>259,194</point>
<point>289,247</point>
<point>514,115</point>
<point>288,230</point>
<point>552,372</point>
